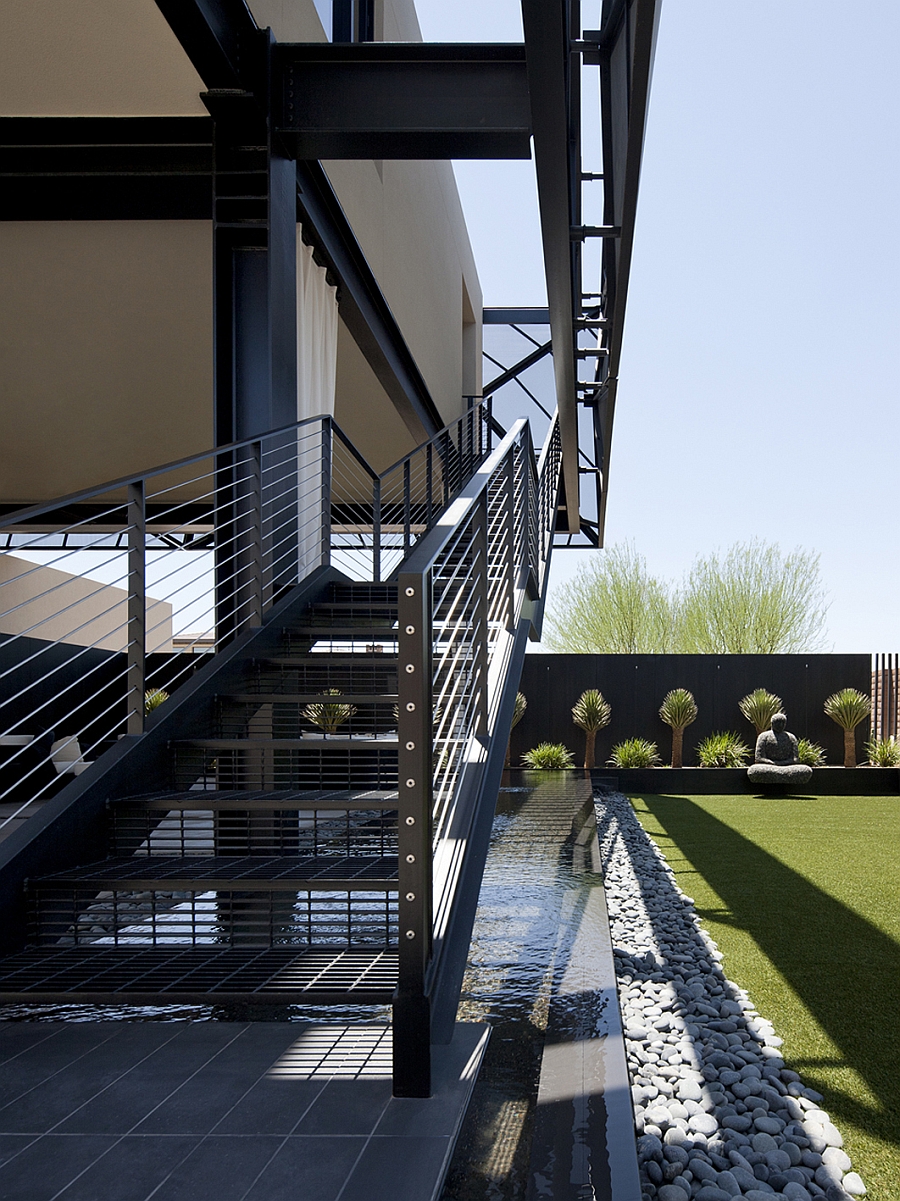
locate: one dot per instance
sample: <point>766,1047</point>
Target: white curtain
<point>317,334</point>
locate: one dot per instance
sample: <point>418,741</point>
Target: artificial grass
<point>803,897</point>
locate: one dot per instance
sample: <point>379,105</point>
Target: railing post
<point>248,557</point>
<point>482,641</point>
<point>407,507</point>
<point>137,608</point>
<point>510,567</point>
<point>412,1005</point>
<point>429,485</point>
<point>325,552</point>
<point>376,530</point>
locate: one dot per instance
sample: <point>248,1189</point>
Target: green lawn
<point>803,897</point>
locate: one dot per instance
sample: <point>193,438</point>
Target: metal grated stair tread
<point>362,798</point>
<point>198,873</point>
<point>197,975</point>
<point>307,698</point>
<point>335,743</point>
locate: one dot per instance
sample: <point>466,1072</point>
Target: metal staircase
<point>305,819</point>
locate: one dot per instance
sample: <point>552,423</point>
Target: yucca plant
<point>848,708</point>
<point>723,749</point>
<point>635,752</point>
<point>591,712</point>
<point>153,698</point>
<point>548,756</point>
<point>519,706</point>
<point>329,716</point>
<point>883,752</point>
<point>759,707</point>
<point>810,753</point>
<point>678,710</point>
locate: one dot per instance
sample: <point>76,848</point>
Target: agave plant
<point>848,708</point>
<point>591,712</point>
<point>810,753</point>
<point>153,698</point>
<point>883,752</point>
<point>759,707</point>
<point>678,710</point>
<point>548,756</point>
<point>635,752</point>
<point>723,749</point>
<point>329,716</point>
<point>519,706</point>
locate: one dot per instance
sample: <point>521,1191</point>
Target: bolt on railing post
<point>135,676</point>
<point>376,531</point>
<point>412,1005</point>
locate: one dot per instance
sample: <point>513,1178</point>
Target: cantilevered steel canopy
<point>387,100</point>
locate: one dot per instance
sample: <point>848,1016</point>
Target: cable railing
<point>461,595</point>
<point>109,596</point>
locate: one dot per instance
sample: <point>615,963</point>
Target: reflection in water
<point>514,951</point>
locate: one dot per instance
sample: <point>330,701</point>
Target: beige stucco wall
<point>105,327</point>
<point>105,351</point>
<point>44,602</point>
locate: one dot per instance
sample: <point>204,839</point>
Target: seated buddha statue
<point>776,759</point>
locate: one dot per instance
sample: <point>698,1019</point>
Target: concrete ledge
<point>706,781</point>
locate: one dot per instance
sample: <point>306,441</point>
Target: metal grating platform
<point>198,975</point>
<point>223,871</point>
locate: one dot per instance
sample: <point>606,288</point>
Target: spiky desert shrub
<point>329,716</point>
<point>153,698</point>
<point>759,707</point>
<point>848,708</point>
<point>883,752</point>
<point>548,756</point>
<point>591,712</point>
<point>723,749</point>
<point>810,753</point>
<point>678,710</point>
<point>634,752</point>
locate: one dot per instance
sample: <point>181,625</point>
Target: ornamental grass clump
<point>883,752</point>
<point>548,756</point>
<point>635,752</point>
<point>153,698</point>
<point>723,749</point>
<point>848,708</point>
<point>678,710</point>
<point>329,716</point>
<point>519,706</point>
<point>759,707</point>
<point>810,753</point>
<point>591,712</point>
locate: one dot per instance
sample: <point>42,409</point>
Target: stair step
<point>196,975</point>
<point>204,873</point>
<point>332,742</point>
<point>336,633</point>
<point>319,659</point>
<point>307,698</point>
<point>337,799</point>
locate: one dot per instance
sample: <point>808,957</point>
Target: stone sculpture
<point>776,760</point>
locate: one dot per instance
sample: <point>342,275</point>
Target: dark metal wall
<point>635,686</point>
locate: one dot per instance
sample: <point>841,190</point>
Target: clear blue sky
<point>759,382</point>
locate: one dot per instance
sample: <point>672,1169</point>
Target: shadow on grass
<point>844,969</point>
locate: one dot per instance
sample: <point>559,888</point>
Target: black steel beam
<point>627,40</point>
<point>519,316</point>
<point>221,39</point>
<point>105,168</point>
<point>547,38</point>
<point>402,100</point>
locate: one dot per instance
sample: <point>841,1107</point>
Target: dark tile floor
<point>217,1111</point>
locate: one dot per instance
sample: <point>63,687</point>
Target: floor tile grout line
<point>39,1043</point>
<point>284,1141</point>
<point>211,1133</point>
<point>77,1059</point>
<point>118,1078</point>
<point>122,1137</point>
